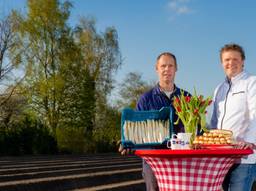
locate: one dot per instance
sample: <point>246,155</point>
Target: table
<point>191,170</point>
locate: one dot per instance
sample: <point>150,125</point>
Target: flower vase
<point>192,138</point>
<point>193,133</point>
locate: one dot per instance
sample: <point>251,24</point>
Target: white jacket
<point>235,109</point>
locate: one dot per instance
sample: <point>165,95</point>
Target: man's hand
<point>245,145</point>
<point>124,151</point>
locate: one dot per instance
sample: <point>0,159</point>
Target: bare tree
<point>8,39</point>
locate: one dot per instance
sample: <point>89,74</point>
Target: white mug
<point>174,143</point>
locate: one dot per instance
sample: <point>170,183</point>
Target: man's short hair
<point>167,54</point>
<point>234,47</point>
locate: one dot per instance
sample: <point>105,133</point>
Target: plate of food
<point>216,146</point>
<point>215,139</point>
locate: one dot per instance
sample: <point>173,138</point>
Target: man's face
<point>166,69</point>
<point>232,63</point>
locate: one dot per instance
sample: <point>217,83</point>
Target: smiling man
<point>235,110</point>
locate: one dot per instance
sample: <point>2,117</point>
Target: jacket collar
<point>157,90</point>
<point>235,79</point>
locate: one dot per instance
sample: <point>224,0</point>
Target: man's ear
<point>156,70</point>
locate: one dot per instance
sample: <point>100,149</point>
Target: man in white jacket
<point>235,110</point>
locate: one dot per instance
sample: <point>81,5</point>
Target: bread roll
<point>215,136</point>
<point>222,131</point>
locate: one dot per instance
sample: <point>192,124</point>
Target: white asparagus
<point>165,129</point>
<point>168,128</point>
<point>144,136</point>
<point>157,130</point>
<point>128,126</point>
<point>154,131</point>
<point>125,130</point>
<point>140,132</point>
<point>161,131</point>
<point>137,131</point>
<point>149,128</point>
<point>131,131</point>
<point>148,131</point>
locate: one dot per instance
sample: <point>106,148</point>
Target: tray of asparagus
<point>145,128</point>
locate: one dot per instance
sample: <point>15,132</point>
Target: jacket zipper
<point>225,104</point>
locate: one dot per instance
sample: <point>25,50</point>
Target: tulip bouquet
<point>191,110</point>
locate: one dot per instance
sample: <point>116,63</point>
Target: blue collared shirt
<point>155,99</point>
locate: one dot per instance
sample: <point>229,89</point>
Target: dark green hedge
<point>27,137</point>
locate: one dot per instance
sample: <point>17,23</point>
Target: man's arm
<point>142,104</point>
<point>214,118</point>
<point>250,134</point>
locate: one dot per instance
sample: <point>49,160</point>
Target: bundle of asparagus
<point>148,131</point>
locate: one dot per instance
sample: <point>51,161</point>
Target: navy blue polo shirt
<point>155,99</point>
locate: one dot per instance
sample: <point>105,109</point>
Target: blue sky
<point>194,30</point>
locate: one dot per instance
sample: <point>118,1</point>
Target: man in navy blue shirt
<point>161,96</point>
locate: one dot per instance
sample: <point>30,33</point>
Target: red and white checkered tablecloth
<point>190,174</point>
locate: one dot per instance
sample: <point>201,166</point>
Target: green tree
<point>101,58</point>
<point>41,33</point>
<point>132,87</point>
<point>88,82</point>
<point>13,108</point>
<point>106,138</point>
<point>69,73</point>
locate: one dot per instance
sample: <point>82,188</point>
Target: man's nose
<point>232,61</point>
<point>167,67</point>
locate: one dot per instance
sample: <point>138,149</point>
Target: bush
<point>71,140</point>
<point>27,137</point>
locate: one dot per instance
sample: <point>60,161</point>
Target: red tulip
<point>187,99</point>
<point>196,111</point>
<point>202,102</point>
<point>178,109</point>
<point>177,100</point>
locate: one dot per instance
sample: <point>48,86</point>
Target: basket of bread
<point>215,138</point>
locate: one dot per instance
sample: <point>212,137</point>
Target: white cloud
<point>183,10</point>
<point>179,7</point>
